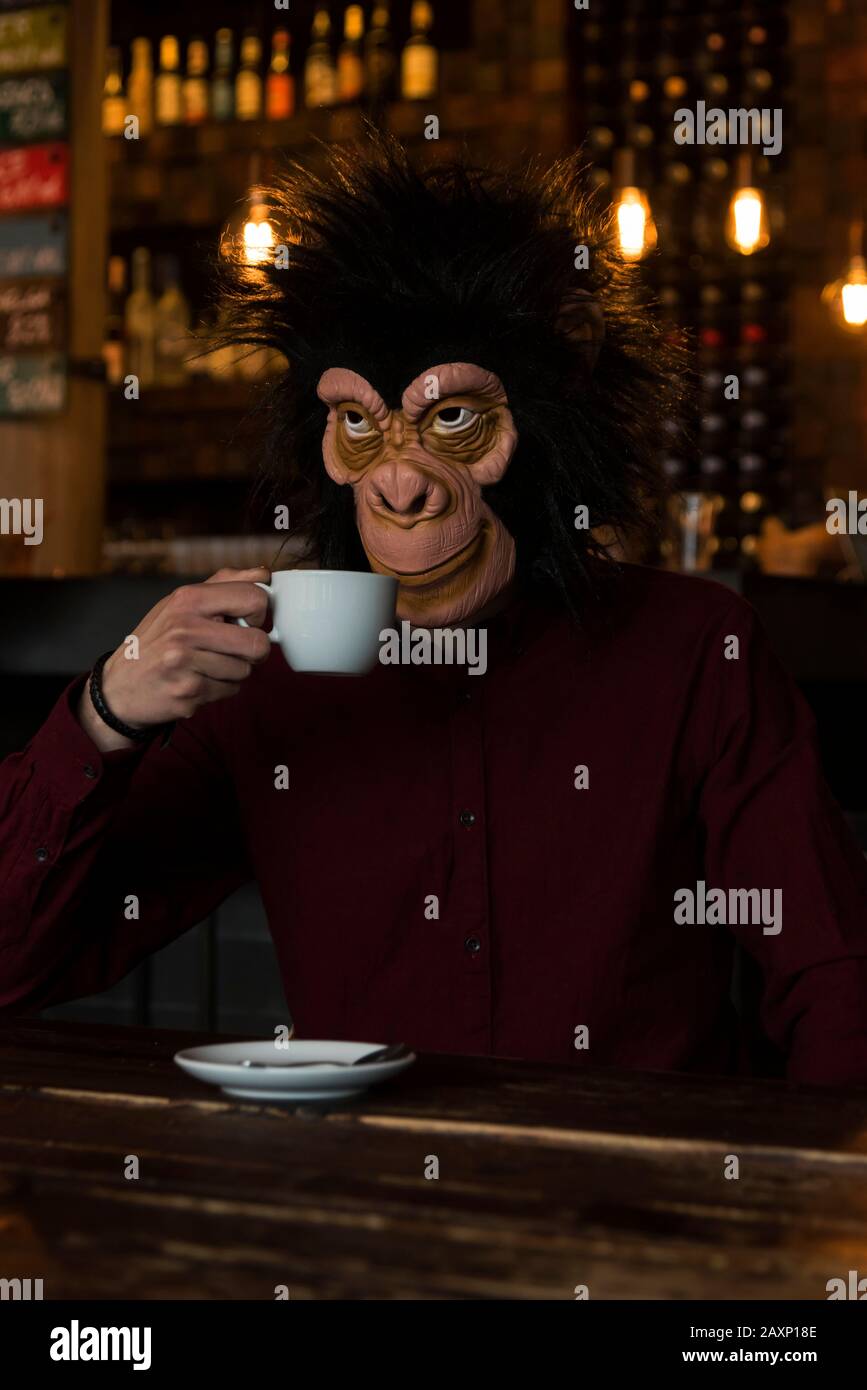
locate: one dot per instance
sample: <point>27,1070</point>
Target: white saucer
<point>220,1065</point>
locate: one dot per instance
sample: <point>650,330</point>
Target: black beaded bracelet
<point>98,701</point>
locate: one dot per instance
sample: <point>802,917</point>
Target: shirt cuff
<point>64,755</point>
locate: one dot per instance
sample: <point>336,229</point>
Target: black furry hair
<point>394,268</point>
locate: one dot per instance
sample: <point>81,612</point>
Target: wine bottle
<point>113,346</point>
<point>419,61</point>
<point>195,86</point>
<point>168,87</point>
<point>113,104</point>
<point>350,65</point>
<point>171,327</point>
<point>140,321</point>
<point>754,504</point>
<point>222,86</point>
<point>248,82</point>
<point>320,74</point>
<point>280,84</point>
<point>379,57</point>
<point>140,88</point>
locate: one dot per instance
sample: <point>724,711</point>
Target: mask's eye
<point>357,426</point>
<point>453,418</point>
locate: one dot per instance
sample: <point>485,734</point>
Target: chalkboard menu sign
<point>32,316</point>
<point>32,246</point>
<point>34,177</point>
<point>32,108</point>
<point>33,385</point>
<point>34,192</point>
<point>31,40</point>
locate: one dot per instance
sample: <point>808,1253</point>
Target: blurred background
<point>133,143</point>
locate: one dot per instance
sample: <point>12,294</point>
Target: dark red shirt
<point>432,874</point>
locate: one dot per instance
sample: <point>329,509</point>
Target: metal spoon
<point>380,1054</point>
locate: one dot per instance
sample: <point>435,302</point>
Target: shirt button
<point>41,854</point>
<point>467,818</point>
<point>89,771</point>
<point>473,945</point>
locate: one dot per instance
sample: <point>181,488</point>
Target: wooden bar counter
<point>550,1178</point>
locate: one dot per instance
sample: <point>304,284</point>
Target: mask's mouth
<point>453,565</point>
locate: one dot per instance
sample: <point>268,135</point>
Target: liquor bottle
<point>222,86</point>
<point>380,62</point>
<point>280,84</point>
<point>419,62</point>
<point>350,64</point>
<point>140,320</point>
<point>320,74</point>
<point>140,88</point>
<point>168,95</point>
<point>113,104</point>
<point>195,87</point>
<point>113,346</point>
<point>248,83</point>
<point>172,327</point>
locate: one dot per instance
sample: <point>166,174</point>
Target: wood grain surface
<point>549,1178</point>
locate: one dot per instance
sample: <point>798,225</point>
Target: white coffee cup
<point>329,621</point>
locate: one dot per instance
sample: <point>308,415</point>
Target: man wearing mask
<point>552,860</point>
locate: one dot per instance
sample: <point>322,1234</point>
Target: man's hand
<point>188,655</point>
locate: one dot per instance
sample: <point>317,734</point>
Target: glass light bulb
<point>258,241</point>
<point>855,304</point>
<point>847,297</point>
<point>747,223</point>
<point>636,229</point>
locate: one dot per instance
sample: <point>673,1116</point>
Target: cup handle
<point>242,622</point>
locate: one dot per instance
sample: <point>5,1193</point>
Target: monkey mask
<point>417,475</point>
<point>442,413</point>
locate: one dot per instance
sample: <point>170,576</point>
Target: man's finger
<point>228,639</point>
<point>217,666</point>
<point>223,576</point>
<point>226,599</point>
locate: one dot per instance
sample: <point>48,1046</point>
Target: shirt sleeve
<point>771,823</point>
<point>105,857</point>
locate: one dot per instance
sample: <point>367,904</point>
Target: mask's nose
<point>404,494</point>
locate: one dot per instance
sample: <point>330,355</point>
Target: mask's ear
<point>582,321</point>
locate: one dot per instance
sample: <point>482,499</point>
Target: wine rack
<point>636,65</point>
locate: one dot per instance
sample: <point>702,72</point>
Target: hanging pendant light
<point>846,297</point>
<point>249,238</point>
<point>257,233</point>
<point>636,229</point>
<point>746,228</point>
